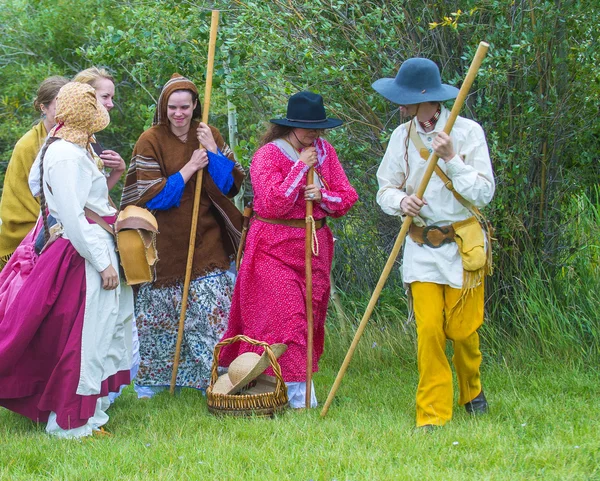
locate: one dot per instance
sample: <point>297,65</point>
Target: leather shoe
<point>426,428</point>
<point>478,405</point>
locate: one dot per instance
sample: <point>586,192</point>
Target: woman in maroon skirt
<point>65,341</point>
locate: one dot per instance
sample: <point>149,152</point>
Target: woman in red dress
<point>269,298</point>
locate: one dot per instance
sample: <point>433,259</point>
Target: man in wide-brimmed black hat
<point>447,252</point>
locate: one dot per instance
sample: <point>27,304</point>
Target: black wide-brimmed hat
<point>305,110</point>
<point>418,80</point>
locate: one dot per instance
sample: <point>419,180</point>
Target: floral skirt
<point>157,316</point>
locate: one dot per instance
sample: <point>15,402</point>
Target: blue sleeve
<point>220,168</point>
<point>170,195</point>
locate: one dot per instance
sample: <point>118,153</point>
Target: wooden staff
<point>214,25</point>
<point>458,103</point>
<point>248,210</point>
<point>308,241</point>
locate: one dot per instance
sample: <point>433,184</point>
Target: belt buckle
<point>443,230</point>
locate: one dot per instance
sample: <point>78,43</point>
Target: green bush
<point>536,97</point>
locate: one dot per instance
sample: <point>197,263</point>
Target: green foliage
<point>536,97</point>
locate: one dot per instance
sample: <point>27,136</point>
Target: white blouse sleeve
<point>34,176</point>
<point>472,175</point>
<point>391,175</point>
<point>71,182</point>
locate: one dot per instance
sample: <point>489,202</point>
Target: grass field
<point>543,424</point>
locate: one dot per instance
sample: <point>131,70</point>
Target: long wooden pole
<point>214,25</point>
<point>458,103</point>
<point>308,240</point>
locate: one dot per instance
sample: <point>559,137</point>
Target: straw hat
<point>244,369</point>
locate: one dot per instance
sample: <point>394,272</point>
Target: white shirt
<point>472,176</point>
<point>34,173</point>
<point>76,183</point>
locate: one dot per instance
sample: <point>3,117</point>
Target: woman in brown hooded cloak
<point>161,178</point>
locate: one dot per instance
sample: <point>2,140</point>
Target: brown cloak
<point>158,154</point>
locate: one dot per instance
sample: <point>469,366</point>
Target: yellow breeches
<point>442,315</point>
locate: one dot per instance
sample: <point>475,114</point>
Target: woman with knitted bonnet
<point>162,178</point>
<point>20,266</point>
<point>20,205</point>
<point>65,341</point>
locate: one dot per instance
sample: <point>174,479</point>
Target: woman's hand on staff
<point>309,156</point>
<point>411,205</point>
<point>110,278</point>
<point>198,161</point>
<point>205,137</point>
<point>313,192</point>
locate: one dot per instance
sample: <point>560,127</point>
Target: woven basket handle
<point>272,359</point>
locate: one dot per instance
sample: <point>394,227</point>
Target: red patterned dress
<point>269,299</point>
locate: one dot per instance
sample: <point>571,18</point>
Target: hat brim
<point>223,384</point>
<point>390,90</point>
<point>326,124</point>
<point>264,384</point>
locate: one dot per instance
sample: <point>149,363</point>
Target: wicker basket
<point>265,404</point>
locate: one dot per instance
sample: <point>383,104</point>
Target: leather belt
<point>432,236</point>
<point>300,223</point>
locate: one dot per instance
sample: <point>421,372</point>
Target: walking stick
<point>248,210</point>
<point>308,240</point>
<point>458,103</point>
<point>214,25</point>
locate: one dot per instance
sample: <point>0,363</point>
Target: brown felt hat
<point>244,369</point>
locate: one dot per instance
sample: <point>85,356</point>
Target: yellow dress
<point>19,210</point>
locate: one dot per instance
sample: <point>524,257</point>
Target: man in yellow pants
<point>446,254</point>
